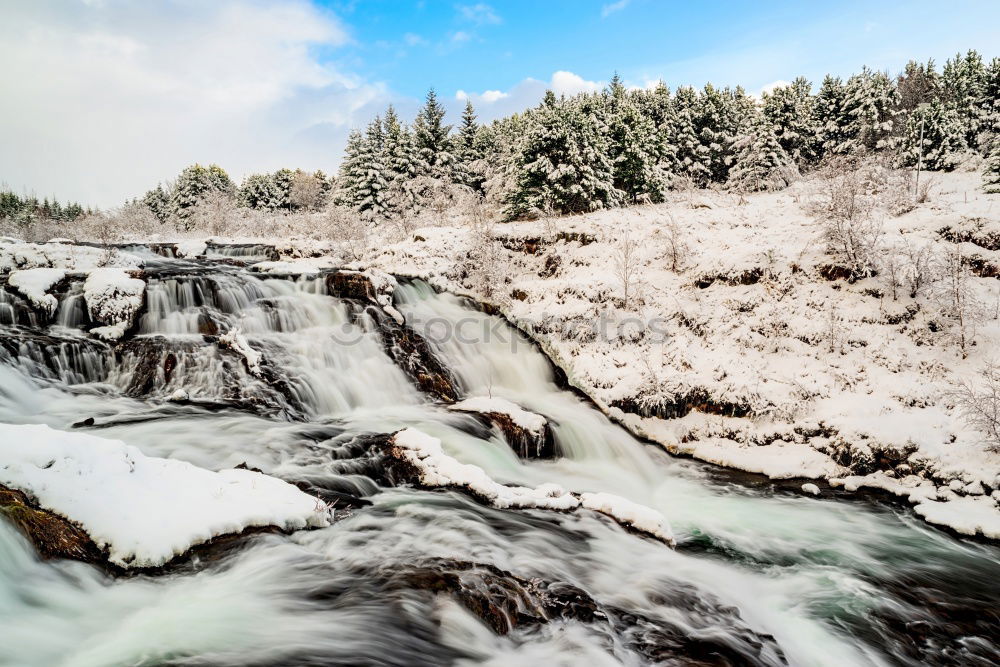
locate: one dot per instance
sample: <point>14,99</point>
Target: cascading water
<point>758,575</point>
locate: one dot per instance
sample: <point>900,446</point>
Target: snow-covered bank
<point>144,511</point>
<point>738,344</point>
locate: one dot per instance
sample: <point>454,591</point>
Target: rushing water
<point>833,582</point>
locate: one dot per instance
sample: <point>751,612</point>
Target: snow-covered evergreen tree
<point>468,150</point>
<point>790,112</point>
<point>760,162</point>
<point>692,157</point>
<point>158,202</point>
<point>283,180</point>
<point>943,134</point>
<point>634,145</point>
<point>721,115</point>
<point>991,169</point>
<point>868,112</point>
<point>362,173</point>
<point>830,121</point>
<point>963,83</point>
<point>195,184</point>
<point>918,84</point>
<point>432,140</point>
<point>563,164</point>
<point>260,192</point>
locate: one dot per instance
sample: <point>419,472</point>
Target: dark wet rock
<point>695,400</point>
<point>527,444</point>
<point>84,423</point>
<point>701,631</point>
<point>413,354</point>
<point>351,285</point>
<point>52,535</point>
<point>502,600</point>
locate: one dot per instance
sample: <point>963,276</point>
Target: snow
<point>144,510</point>
<point>114,299</point>
<point>642,518</point>
<point>190,248</point>
<point>34,285</point>
<point>810,488</point>
<point>968,516</point>
<point>70,257</point>
<point>529,421</point>
<point>438,469</point>
<point>236,341</point>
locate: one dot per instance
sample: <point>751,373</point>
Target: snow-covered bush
<point>978,401</point>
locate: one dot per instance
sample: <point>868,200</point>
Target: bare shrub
<point>956,299</point>
<point>979,404</point>
<point>349,230</point>
<point>677,248</point>
<point>627,264</point>
<point>918,269</point>
<point>485,260</point>
<point>844,201</point>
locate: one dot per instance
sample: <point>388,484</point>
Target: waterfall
<point>760,575</point>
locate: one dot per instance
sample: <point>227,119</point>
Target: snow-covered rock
<point>34,284</point>
<point>113,298</point>
<point>810,488</point>
<point>490,404</point>
<point>143,510</point>
<point>435,468</point>
<point>237,342</point>
<point>190,248</point>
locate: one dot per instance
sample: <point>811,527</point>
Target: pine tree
<point>989,106</point>
<point>830,123</point>
<point>634,146</point>
<point>467,149</point>
<point>718,122</point>
<point>760,162</point>
<point>943,138</point>
<point>196,183</point>
<point>963,82</point>
<point>158,202</point>
<point>991,170</point>
<point>918,84</point>
<point>563,163</point>
<point>790,111</point>
<point>283,181</point>
<point>369,195</point>
<point>868,112</point>
<point>260,192</point>
<point>692,157</point>
<point>432,140</point>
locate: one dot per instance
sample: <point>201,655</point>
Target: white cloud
<point>567,83</point>
<point>109,98</point>
<point>491,104</point>
<point>460,36</point>
<point>413,39</point>
<point>780,83</point>
<point>480,14</point>
<point>613,7</point>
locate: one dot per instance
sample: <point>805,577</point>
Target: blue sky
<point>102,99</point>
<point>481,46</point>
